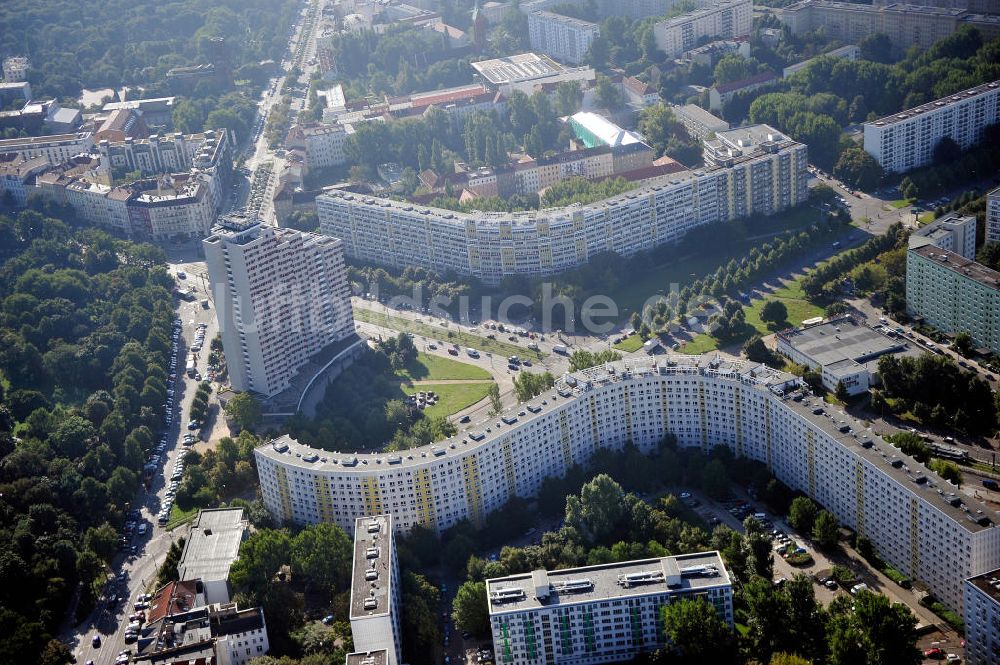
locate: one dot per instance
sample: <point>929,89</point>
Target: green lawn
<point>448,335</point>
<point>631,343</point>
<point>452,397</point>
<point>926,217</point>
<point>901,203</point>
<point>179,517</point>
<point>794,299</point>
<point>435,368</point>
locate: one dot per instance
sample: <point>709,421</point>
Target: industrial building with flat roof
<point>212,545</point>
<point>525,71</point>
<point>906,140</point>
<point>843,350</point>
<point>599,614</point>
<point>375,586</point>
<point>917,521</point>
<point>379,657</point>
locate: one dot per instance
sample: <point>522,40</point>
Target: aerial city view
<point>499,332</point>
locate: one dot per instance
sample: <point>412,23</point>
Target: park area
<point>456,385</point>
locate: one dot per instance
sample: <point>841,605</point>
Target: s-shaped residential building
<point>917,521</point>
<point>752,170</point>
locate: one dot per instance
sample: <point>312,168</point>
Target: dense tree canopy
<point>84,324</point>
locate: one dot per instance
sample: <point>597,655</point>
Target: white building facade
<point>952,232</point>
<point>917,521</point>
<point>57,149</point>
<point>982,619</point>
<point>281,296</point>
<point>599,614</point>
<point>726,20</point>
<point>767,179</point>
<point>906,140</point>
<point>564,38</point>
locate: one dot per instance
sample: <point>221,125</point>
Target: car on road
<point>96,641</point>
<point>464,419</point>
<point>934,653</point>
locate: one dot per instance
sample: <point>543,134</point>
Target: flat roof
<point>517,68</point>
<point>988,583</point>
<point>588,584</point>
<point>935,105</point>
<point>380,657</point>
<point>855,435</point>
<point>213,544</point>
<point>702,12</point>
<point>474,435</point>
<point>699,114</point>
<point>957,263</point>
<point>840,339</point>
<point>578,23</point>
<point>371,572</point>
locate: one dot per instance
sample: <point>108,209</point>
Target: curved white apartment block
<point>913,517</point>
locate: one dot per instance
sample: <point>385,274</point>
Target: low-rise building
<point>17,176</point>
<point>849,52</point>
<point>156,111</point>
<point>217,634</point>
<point>375,587</point>
<point>608,613</point>
<point>906,140</point>
<point>212,546</point>
<point>564,38</point>
<point>324,144</point>
<point>720,95</point>
<point>15,69</point>
<point>953,294</point>
<point>57,149</point>
<point>699,123</point>
<point>629,150</point>
<point>378,657</point>
<point>14,92</point>
<point>708,55</point>
<point>982,619</point>
<point>529,72</point>
<point>952,232</point>
<point>843,350</point>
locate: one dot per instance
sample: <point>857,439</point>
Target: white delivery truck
<point>560,349</point>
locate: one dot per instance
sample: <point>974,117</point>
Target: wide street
<point>132,575</point>
<point>135,575</point>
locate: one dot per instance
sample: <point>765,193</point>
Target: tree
<point>802,514</point>
<point>774,311</point>
<point>788,659</point>
<point>947,470</point>
<point>964,345</point>
<point>989,255</point>
<point>877,48</point>
<point>731,67</point>
<point>841,392</point>
<point>261,555</point>
<point>470,611</point>
<point>826,530</point>
<point>908,189</point>
<point>569,97</point>
<point>609,95</point>
<point>858,169</point>
<point>244,410</point>
<point>597,511</point>
<point>657,125</point>
<point>696,633</point>
<point>322,554</point>
<point>496,405</point>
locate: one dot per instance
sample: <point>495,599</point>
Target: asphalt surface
<point>135,575</point>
